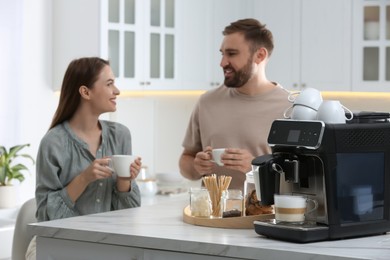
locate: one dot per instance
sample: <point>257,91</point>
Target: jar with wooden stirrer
<point>216,185</point>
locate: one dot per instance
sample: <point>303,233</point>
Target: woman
<point>73,177</point>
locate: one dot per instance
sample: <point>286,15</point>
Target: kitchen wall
<point>158,123</point>
<point>27,102</point>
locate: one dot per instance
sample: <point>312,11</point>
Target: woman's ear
<point>84,92</point>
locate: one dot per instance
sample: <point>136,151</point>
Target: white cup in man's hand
<point>120,164</point>
<point>216,153</point>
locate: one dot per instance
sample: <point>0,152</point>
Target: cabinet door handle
<point>303,85</point>
<point>295,85</point>
<point>147,83</point>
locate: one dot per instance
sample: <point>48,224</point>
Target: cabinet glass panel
<point>388,22</point>
<point>129,69</point>
<point>155,55</point>
<point>155,11</point>
<point>371,23</point>
<point>113,11</point>
<point>388,63</point>
<point>169,56</point>
<point>170,13</point>
<point>371,63</point>
<point>113,51</point>
<point>129,11</point>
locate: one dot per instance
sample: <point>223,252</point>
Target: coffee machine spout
<point>267,178</point>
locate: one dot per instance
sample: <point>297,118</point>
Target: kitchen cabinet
<point>200,30</point>
<point>312,42</point>
<point>137,36</point>
<point>75,33</point>
<point>69,249</point>
<point>371,45</point>
<point>224,12</point>
<point>140,36</point>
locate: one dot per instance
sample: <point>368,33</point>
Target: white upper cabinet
<point>312,42</point>
<point>140,40</point>
<point>371,57</point>
<point>76,33</point>
<point>200,31</point>
<point>224,12</point>
<point>193,43</point>
<point>333,45</point>
<point>137,36</point>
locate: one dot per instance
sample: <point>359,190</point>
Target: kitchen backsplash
<point>158,123</point>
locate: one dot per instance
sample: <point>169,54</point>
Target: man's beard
<point>240,77</point>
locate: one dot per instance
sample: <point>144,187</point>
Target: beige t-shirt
<point>225,118</point>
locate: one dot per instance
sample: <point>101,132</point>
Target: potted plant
<point>10,171</point>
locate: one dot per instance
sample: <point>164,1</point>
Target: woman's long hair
<point>80,72</point>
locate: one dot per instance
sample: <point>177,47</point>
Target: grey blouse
<point>62,156</point>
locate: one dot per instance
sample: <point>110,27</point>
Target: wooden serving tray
<point>233,222</point>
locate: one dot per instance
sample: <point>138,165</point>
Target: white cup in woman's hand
<point>120,164</point>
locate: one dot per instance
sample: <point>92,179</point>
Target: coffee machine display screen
<point>360,186</point>
<point>293,136</point>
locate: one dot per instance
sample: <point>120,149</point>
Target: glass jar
<point>249,187</point>
<point>200,203</point>
<point>232,203</point>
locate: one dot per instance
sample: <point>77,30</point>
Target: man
<point>237,115</point>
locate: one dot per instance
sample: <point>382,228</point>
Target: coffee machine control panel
<point>297,133</point>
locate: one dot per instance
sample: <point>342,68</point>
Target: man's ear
<point>261,55</point>
<point>84,92</point>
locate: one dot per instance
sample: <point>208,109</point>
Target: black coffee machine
<point>344,167</point>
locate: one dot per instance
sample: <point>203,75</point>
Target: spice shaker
<point>232,203</point>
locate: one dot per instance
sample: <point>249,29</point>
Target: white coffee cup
<point>300,112</point>
<point>292,209</point>
<point>120,164</point>
<point>333,112</point>
<point>309,97</point>
<point>216,153</point>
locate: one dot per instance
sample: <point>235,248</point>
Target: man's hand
<point>237,159</point>
<point>202,163</point>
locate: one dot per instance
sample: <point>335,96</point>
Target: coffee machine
<point>344,167</point>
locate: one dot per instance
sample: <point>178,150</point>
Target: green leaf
<point>8,171</point>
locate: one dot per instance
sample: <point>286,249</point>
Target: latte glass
<point>292,209</point>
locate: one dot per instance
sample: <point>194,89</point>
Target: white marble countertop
<point>158,225</point>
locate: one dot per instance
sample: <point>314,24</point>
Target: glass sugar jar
<point>200,203</point>
<point>232,203</point>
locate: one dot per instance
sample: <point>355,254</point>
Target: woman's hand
<point>98,169</point>
<point>123,184</point>
<point>135,168</point>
